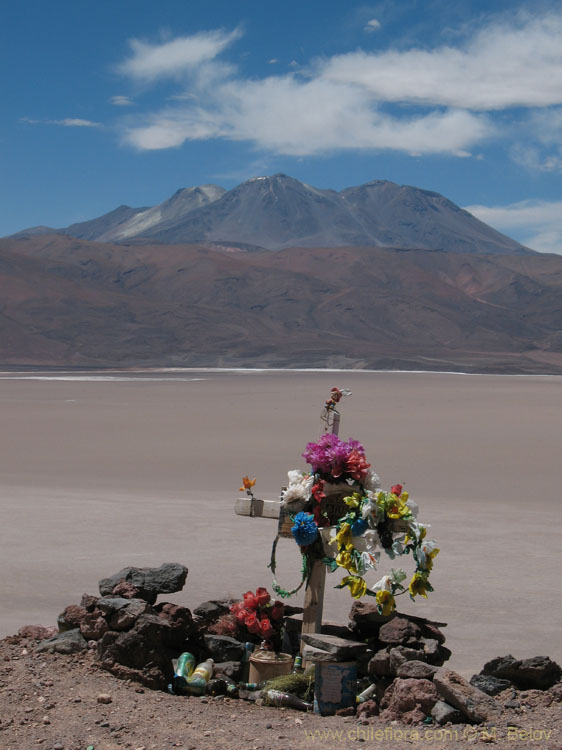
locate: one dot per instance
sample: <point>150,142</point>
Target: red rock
<point>458,692</point>
<point>408,700</point>
<point>367,709</point>
<point>93,625</point>
<point>71,617</point>
<point>398,631</point>
<point>126,590</point>
<point>89,602</point>
<point>37,632</point>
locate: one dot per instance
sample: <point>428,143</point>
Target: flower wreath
<point>372,518</point>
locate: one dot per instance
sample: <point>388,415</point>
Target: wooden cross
<point>252,506</point>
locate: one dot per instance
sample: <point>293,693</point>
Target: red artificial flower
<point>277,610</point>
<point>262,597</point>
<point>266,629</point>
<point>235,608</point>
<point>396,490</point>
<point>252,623</point>
<point>356,465</point>
<point>241,615</point>
<point>250,601</point>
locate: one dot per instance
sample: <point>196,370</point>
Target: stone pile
<point>401,655</point>
<point>135,638</point>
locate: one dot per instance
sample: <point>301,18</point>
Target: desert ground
<point>103,470</point>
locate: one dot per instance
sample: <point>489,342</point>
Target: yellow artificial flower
<point>247,483</point>
<point>386,602</point>
<point>344,559</point>
<point>418,585</point>
<point>429,555</point>
<point>353,500</point>
<point>396,508</point>
<point>357,586</point>
<point>343,536</point>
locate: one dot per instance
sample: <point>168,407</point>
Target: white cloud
<point>149,62</point>
<point>341,103</point>
<point>509,63</point>
<point>535,223</point>
<point>121,101</point>
<point>372,25</point>
<point>67,122</point>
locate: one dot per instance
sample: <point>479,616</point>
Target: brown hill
<point>72,302</point>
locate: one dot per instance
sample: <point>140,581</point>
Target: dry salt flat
<point>100,471</point>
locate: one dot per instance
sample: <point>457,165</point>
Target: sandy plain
<point>100,471</point>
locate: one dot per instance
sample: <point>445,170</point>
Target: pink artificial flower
<point>356,465</point>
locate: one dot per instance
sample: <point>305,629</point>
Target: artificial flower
<point>358,527</point>
<point>300,485</point>
<point>343,535</point>
<point>385,602</point>
<point>371,481</point>
<point>304,529</point>
<point>345,559</point>
<point>419,585</point>
<point>396,489</point>
<point>277,610</point>
<point>252,623</point>
<point>247,484</point>
<point>426,554</point>
<point>356,465</point>
<point>383,584</point>
<point>250,601</point>
<point>262,596</point>
<point>266,628</point>
<point>357,586</point>
<point>242,614</point>
<point>354,500</point>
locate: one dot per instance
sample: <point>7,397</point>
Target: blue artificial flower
<point>305,529</point>
<point>358,527</point>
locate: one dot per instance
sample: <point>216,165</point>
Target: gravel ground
<point>56,702</point>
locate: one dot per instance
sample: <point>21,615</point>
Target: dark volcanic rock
<point>223,647</point>
<point>442,713</point>
<point>141,651</point>
<point>417,669</point>
<point>89,602</point>
<point>213,609</point>
<point>180,621</point>
<point>230,669</point>
<point>149,582</point>
<point>341,648</point>
<point>537,672</point>
<point>489,684</point>
<point>379,665</point>
<point>68,642</point>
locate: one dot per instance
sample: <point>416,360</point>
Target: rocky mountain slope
<point>74,302</point>
<point>279,212</point>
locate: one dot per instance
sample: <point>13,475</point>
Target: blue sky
<point>125,102</point>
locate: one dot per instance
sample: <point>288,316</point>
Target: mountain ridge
<point>279,211</point>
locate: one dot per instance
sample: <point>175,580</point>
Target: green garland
<point>305,572</point>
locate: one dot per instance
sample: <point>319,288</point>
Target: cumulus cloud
<point>173,58</point>
<point>417,101</point>
<point>536,223</point>
<point>509,63</point>
<point>372,25</point>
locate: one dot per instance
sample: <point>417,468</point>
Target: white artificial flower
<point>365,562</point>
<point>372,481</point>
<point>385,584</point>
<point>413,507</point>
<point>300,486</point>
